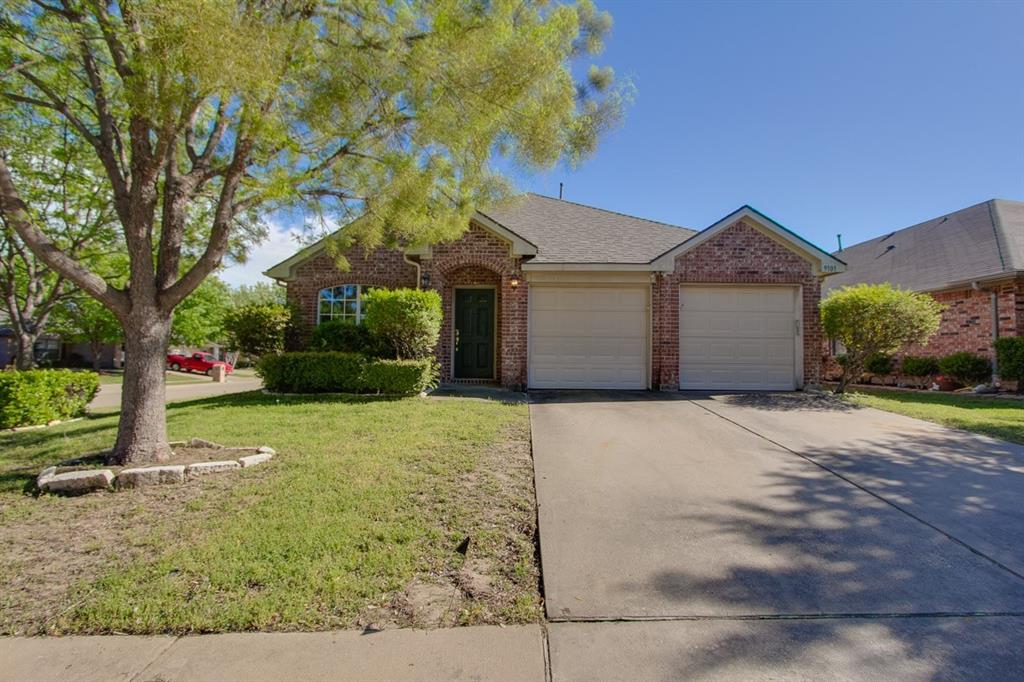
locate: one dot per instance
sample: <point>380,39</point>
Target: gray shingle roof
<point>977,242</point>
<point>566,232</point>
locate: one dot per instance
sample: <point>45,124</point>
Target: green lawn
<point>999,418</point>
<point>365,503</point>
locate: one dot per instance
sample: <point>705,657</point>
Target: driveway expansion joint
<point>864,489</point>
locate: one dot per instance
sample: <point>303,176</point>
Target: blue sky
<point>829,117</point>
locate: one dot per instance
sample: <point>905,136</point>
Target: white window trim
<point>360,290</point>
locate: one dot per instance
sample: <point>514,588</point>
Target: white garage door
<point>588,337</point>
<point>742,338</point>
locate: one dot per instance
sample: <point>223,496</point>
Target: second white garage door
<point>588,337</point>
<point>742,338</point>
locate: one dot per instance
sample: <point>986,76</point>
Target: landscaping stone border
<point>86,480</point>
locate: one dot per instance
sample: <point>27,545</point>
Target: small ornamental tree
<point>872,319</point>
<point>407,320</point>
<point>258,329</point>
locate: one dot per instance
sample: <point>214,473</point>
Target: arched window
<point>344,302</point>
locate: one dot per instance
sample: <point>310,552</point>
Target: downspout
<point>994,312</point>
<point>419,269</point>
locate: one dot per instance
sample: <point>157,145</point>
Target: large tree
<point>205,113</point>
<point>66,192</point>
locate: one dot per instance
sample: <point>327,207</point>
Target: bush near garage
<point>1010,358</point>
<point>336,372</point>
<point>38,396</point>
<point>966,368</point>
<point>879,363</point>
<point>919,366</point>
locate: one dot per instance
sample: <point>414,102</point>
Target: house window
<point>344,302</point>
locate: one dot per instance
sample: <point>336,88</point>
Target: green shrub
<point>918,366</point>
<point>966,368</point>
<point>400,376</point>
<point>38,396</point>
<point>1010,358</point>
<point>407,320</point>
<point>342,336</point>
<point>312,372</point>
<point>258,328</point>
<point>335,372</point>
<point>879,363</point>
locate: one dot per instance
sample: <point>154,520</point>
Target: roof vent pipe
<point>839,238</point>
<point>561,186</point>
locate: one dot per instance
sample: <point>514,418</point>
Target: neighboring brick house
<point>548,293</point>
<point>971,261</point>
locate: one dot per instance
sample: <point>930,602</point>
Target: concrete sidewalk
<point>470,653</point>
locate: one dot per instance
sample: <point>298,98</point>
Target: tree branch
<point>17,216</point>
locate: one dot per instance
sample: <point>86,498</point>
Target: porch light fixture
<point>425,280</point>
<point>514,282</point>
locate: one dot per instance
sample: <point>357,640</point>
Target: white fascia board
<point>520,246</point>
<point>824,262</point>
<point>592,267</point>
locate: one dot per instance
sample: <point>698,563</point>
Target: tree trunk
<point>25,359</point>
<point>142,431</point>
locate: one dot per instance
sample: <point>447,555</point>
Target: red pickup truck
<point>197,362</point>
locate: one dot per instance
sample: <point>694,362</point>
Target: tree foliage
<point>66,192</point>
<point>876,319</point>
<point>260,292</point>
<point>206,114</point>
<point>199,319</point>
<point>83,319</point>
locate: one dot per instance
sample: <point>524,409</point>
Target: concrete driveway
<point>774,536</point>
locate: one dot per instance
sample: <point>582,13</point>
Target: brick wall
<point>967,322</point>
<point>380,267</point>
<point>480,258</point>
<point>476,258</point>
<point>739,254</point>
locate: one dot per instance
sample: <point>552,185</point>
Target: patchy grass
<point>999,418</point>
<point>357,521</point>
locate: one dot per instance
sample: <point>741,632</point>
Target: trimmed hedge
<point>918,366</point>
<point>38,396</point>
<point>336,372</point>
<point>1010,358</point>
<point>966,368</point>
<point>879,364</point>
<point>348,337</point>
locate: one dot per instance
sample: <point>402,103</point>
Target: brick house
<point>971,261</point>
<point>548,293</point>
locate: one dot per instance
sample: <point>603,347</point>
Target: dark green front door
<point>474,333</point>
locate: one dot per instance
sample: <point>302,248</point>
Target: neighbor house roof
<point>567,232</point>
<point>981,242</point>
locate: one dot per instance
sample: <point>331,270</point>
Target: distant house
<point>972,261</point>
<point>47,347</point>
